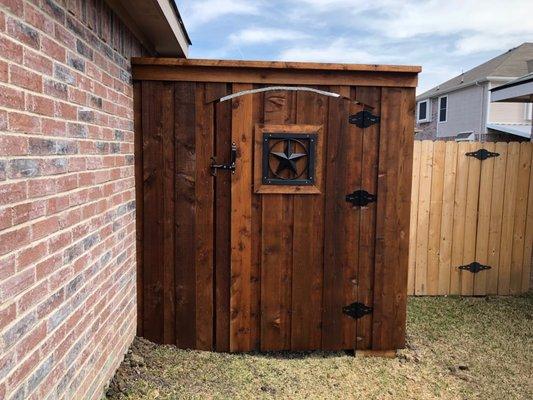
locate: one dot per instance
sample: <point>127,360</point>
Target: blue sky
<point>444,37</point>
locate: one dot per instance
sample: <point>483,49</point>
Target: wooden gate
<point>274,256</point>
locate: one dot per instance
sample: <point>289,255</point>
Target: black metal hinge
<point>482,154</point>
<point>356,310</point>
<point>474,267</point>
<point>225,167</point>
<point>360,198</point>
<point>363,119</point>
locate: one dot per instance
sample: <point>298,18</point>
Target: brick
<point>52,127</point>
<point>86,116</point>
<point>11,98</point>
<point>65,37</point>
<point>51,303</point>
<point>6,218</point>
<point>7,362</point>
<point>37,62</point>
<point>77,130</point>
<point>2,170</point>
<point>64,74</point>
<point>38,376</point>
<point>52,146</point>
<point>4,71</point>
<point>76,62</point>
<point>13,192</point>
<point>3,120</point>
<point>30,342</point>
<point>24,168</point>
<point>27,211</point>
<point>25,78</point>
<point>95,101</point>
<point>41,187</point>
<point>53,49</point>
<point>17,284</point>
<point>55,89</point>
<point>13,145</point>
<point>14,6</point>
<point>23,33</point>
<point>83,49</point>
<point>31,255</point>
<point>7,315</point>
<point>58,204</point>
<point>44,228</point>
<point>38,20</point>
<point>40,105</point>
<point>23,123</point>
<point>23,369</point>
<point>67,111</point>
<point>55,11</point>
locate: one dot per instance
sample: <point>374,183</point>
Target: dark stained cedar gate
<point>228,263</point>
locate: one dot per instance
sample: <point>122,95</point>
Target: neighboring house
<point>519,90</point>
<point>461,109</point>
<point>67,188</point>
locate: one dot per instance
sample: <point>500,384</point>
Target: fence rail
<point>465,210</point>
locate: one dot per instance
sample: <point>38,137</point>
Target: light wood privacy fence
<point>465,210</point>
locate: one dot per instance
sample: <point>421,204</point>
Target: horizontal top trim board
<point>273,76</point>
<point>182,62</point>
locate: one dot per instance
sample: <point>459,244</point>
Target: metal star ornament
<point>287,159</point>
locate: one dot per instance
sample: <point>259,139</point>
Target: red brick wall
<point>67,224</point>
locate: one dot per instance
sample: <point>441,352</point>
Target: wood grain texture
<point>413,231</point>
<point>483,221</point>
<point>517,256</point>
<point>435,216</point>
<point>241,219</point>
<point>446,236</point>
<point>185,213</point>
<point>308,238</point>
<point>277,228</point>
<point>528,241</point>
<point>139,203</point>
<point>336,327</point>
<point>367,230</point>
<point>496,216</point>
<point>509,203</point>
<point>471,216</point>
<point>424,205</point>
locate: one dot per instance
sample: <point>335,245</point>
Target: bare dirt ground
<point>458,348</point>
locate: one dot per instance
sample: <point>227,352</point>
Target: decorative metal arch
<point>292,88</point>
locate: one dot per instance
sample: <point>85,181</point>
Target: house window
<point>529,111</point>
<point>423,111</point>
<point>443,108</point>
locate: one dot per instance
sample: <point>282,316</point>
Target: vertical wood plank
<point>424,204</point>
<point>255,310</point>
<point>367,231</point>
<point>459,216</point>
<point>340,222</point>
<point>496,215</point>
<point>448,200</point>
<point>157,124</point>
<point>392,227</point>
<point>435,217</point>
<point>483,223</point>
<point>241,215</point>
<point>413,230</point>
<point>528,241</point>
<point>185,213</point>
<point>277,228</point>
<point>222,211</point>
<point>509,203</point>
<point>517,256</point>
<point>471,212</point>
<point>139,203</point>
<point>308,239</point>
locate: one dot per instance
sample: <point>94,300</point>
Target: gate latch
<point>363,119</point>
<point>225,167</point>
<point>360,198</point>
<point>356,310</point>
<point>482,154</point>
<point>474,267</point>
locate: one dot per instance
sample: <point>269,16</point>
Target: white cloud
<point>488,42</point>
<point>198,12</point>
<point>340,50</point>
<point>266,35</point>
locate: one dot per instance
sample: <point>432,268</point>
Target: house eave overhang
<point>156,24</point>
<point>438,93</point>
<point>514,93</point>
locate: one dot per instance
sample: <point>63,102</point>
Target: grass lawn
<point>458,348</point>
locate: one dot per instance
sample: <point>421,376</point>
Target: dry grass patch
<point>459,348</point>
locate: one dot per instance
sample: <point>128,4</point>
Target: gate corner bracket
<point>363,119</point>
<point>360,198</point>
